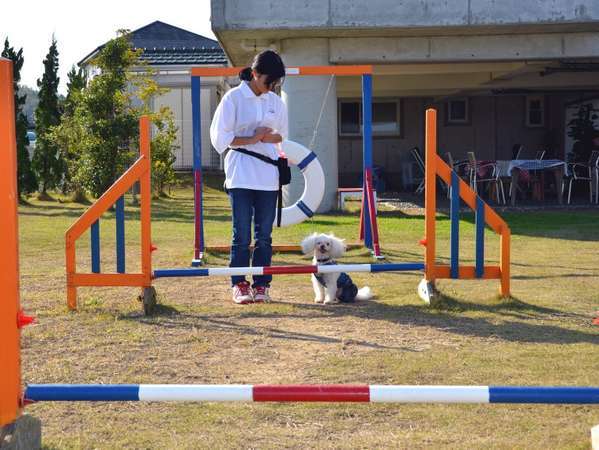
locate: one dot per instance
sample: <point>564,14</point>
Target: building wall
<point>262,14</point>
<point>497,123</point>
<point>178,99</point>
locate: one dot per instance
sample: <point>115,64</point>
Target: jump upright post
<point>10,359</point>
<point>484,215</point>
<point>368,220</point>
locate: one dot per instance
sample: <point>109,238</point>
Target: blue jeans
<point>262,205</point>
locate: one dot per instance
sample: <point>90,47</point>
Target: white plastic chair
<point>420,162</point>
<point>492,178</point>
<point>453,165</point>
<point>583,172</point>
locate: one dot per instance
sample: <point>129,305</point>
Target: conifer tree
<point>47,161</point>
<point>25,176</point>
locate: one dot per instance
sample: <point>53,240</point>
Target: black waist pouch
<point>284,171</point>
<point>282,165</point>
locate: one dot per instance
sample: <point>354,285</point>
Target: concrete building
<point>500,74</point>
<point>171,52</point>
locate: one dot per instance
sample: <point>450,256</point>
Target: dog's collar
<point>323,260</point>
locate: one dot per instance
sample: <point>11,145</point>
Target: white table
<point>506,168</point>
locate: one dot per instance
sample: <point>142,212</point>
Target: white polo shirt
<point>239,113</point>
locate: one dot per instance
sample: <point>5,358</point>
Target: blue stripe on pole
<point>454,214</point>
<point>120,235</point>
<point>307,160</point>
<point>95,242</point>
<point>82,392</point>
<point>367,154</point>
<point>305,209</point>
<point>162,273</point>
<point>396,267</point>
<point>523,394</point>
<point>480,237</point>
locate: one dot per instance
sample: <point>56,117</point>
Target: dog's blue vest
<point>348,290</point>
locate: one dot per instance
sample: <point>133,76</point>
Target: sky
<point>80,27</point>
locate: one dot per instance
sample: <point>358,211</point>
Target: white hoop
<point>309,202</point>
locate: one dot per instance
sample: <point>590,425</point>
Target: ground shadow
<point>509,320</point>
<point>168,317</point>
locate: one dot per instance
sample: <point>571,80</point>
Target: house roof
<point>165,44</point>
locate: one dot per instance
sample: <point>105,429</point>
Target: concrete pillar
<point>304,96</point>
<point>23,434</point>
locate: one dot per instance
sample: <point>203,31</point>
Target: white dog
<point>332,287</point>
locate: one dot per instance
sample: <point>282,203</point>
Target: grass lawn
<point>543,336</point>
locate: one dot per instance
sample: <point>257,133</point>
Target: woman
<point>252,117</point>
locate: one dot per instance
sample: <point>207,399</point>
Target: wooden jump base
<point>311,393</point>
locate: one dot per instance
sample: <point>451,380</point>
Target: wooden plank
<point>108,279</point>
<point>468,272</point>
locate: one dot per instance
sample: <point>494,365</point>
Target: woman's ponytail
<point>245,74</point>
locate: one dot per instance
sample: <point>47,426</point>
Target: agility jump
<point>301,209</point>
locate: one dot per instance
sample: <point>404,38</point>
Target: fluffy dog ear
<point>337,246</point>
<point>308,243</point>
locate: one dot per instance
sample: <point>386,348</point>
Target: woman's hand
<point>260,132</point>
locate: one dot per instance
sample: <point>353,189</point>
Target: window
<point>458,112</point>
<point>350,118</point>
<point>535,111</point>
<point>385,117</point>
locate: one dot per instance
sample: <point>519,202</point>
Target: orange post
<point>504,261</point>
<point>10,360</point>
<point>430,194</point>
<point>145,192</point>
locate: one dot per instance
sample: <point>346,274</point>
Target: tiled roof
<point>164,44</point>
<point>165,56</point>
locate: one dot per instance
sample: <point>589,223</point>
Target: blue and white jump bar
<point>278,270</point>
<point>312,393</point>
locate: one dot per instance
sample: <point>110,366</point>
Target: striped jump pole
<point>312,393</point>
<point>286,270</point>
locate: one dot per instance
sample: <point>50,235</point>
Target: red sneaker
<point>261,294</point>
<point>242,294</point>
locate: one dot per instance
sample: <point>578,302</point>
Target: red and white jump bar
<point>280,270</point>
<point>312,393</point>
